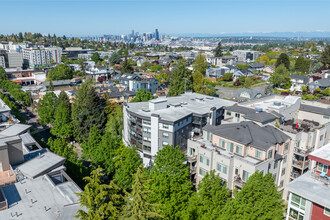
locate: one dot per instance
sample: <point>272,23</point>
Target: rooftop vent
<point>277,103</point>
<point>258,109</point>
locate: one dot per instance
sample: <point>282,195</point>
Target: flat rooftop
<point>311,189</point>
<point>322,153</point>
<point>180,106</point>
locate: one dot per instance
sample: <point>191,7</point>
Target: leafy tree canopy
<point>142,96</point>
<point>60,72</point>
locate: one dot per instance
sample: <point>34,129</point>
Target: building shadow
<point>11,194</point>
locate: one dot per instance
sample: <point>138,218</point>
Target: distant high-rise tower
<point>156,34</point>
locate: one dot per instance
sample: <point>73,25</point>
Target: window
<point>239,149</point>
<point>204,160</point>
<point>202,171</point>
<point>322,167</point>
<point>148,139</point>
<point>258,154</point>
<point>237,116</point>
<point>228,113</point>
<point>222,168</point>
<point>230,146</point>
<point>207,136</point>
<point>298,201</point>
<point>283,171</point>
<point>166,126</point>
<point>246,175</point>
<point>165,135</point>
<point>165,143</point>
<point>147,130</point>
<point>275,164</point>
<point>146,122</point>
<point>147,148</point>
<point>284,160</point>
<point>147,156</point>
<point>236,171</point>
<point>222,143</point>
<point>191,151</point>
<point>270,154</point>
<point>286,146</point>
<point>281,183</point>
<point>321,137</point>
<point>327,212</point>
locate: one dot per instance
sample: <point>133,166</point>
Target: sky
<point>98,17</point>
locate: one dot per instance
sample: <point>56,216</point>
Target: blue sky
<point>97,17</point>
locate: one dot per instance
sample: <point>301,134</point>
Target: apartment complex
<point>36,57</point>
<point>33,181</point>
<point>133,82</point>
<point>169,121</point>
<point>309,196</point>
<point>235,151</point>
<point>246,55</point>
<point>2,61</point>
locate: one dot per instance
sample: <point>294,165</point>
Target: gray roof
<point>15,129</point>
<point>311,189</point>
<point>69,211</point>
<point>253,93</point>
<point>41,164</point>
<point>58,82</point>
<point>240,109</point>
<point>321,82</point>
<point>313,109</point>
<point>323,152</point>
<point>249,133</point>
<point>299,77</point>
<point>260,117</point>
<point>178,107</point>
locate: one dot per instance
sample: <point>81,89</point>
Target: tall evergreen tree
<point>325,57</point>
<point>200,64</point>
<point>62,126</point>
<point>302,65</point>
<point>210,199</point>
<point>170,182</point>
<point>283,59</point>
<point>93,141</point>
<point>47,106</point>
<point>87,111</point>
<point>218,50</point>
<point>138,206</point>
<point>63,97</point>
<point>197,82</point>
<point>102,201</point>
<point>281,77</point>
<point>177,81</point>
<point>258,199</point>
<point>114,124</point>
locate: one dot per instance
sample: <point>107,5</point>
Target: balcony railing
<point>238,181</point>
<point>192,170</point>
<point>302,152</point>
<point>317,176</point>
<point>300,163</point>
<point>294,175</point>
<point>191,158</point>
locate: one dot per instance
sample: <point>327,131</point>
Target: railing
<point>303,152</point>
<point>238,181</point>
<point>294,175</point>
<point>300,163</point>
<point>192,170</point>
<point>191,158</point>
<point>318,177</point>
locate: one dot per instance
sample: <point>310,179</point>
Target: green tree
<point>93,141</point>
<point>197,77</point>
<point>227,77</point>
<point>302,65</point>
<point>283,59</point>
<point>263,59</point>
<point>325,56</point>
<point>129,162</point>
<point>96,57</point>
<point>248,82</point>
<point>102,201</point>
<point>177,82</point>
<point>47,106</point>
<point>114,124</point>
<point>200,64</point>
<point>51,86</point>
<point>63,97</point>
<point>62,126</point>
<point>87,111</point>
<point>218,50</point>
<point>60,72</point>
<point>281,77</point>
<point>161,77</point>
<point>138,206</point>
<point>258,199</point>
<point>156,68</point>
<point>243,66</point>
<point>126,66</point>
<point>142,96</point>
<point>146,65</point>
<point>3,75</point>
<point>170,181</point>
<point>210,198</point>
<point>114,58</point>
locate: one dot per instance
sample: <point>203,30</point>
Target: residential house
<point>299,81</point>
<point>320,83</point>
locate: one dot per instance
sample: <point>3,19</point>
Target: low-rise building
<point>299,81</point>
<point>246,55</point>
<point>133,82</point>
<point>309,196</point>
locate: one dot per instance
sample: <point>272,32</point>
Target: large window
<point>322,167</point>
<point>327,212</point>
<point>202,171</point>
<point>204,160</point>
<point>166,126</point>
<point>222,168</point>
<point>222,143</point>
<point>258,154</point>
<point>146,122</point>
<point>165,135</point>
<point>191,151</point>
<point>230,146</point>
<point>164,143</point>
<point>295,215</point>
<point>246,175</point>
<point>298,201</point>
<point>147,148</point>
<point>147,130</point>
<point>148,139</point>
<point>239,149</point>
<point>228,113</point>
<point>270,154</point>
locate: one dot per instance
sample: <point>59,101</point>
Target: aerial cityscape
<point>161,109</point>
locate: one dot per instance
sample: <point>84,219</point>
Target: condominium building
<point>169,121</point>
<point>309,196</point>
<point>2,61</point>
<point>246,55</point>
<point>14,59</point>
<point>41,56</point>
<point>235,151</point>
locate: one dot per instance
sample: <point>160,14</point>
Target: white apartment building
<point>2,62</point>
<point>41,57</point>
<point>246,55</point>
<point>14,59</point>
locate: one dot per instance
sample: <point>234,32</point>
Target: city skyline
<point>86,18</point>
